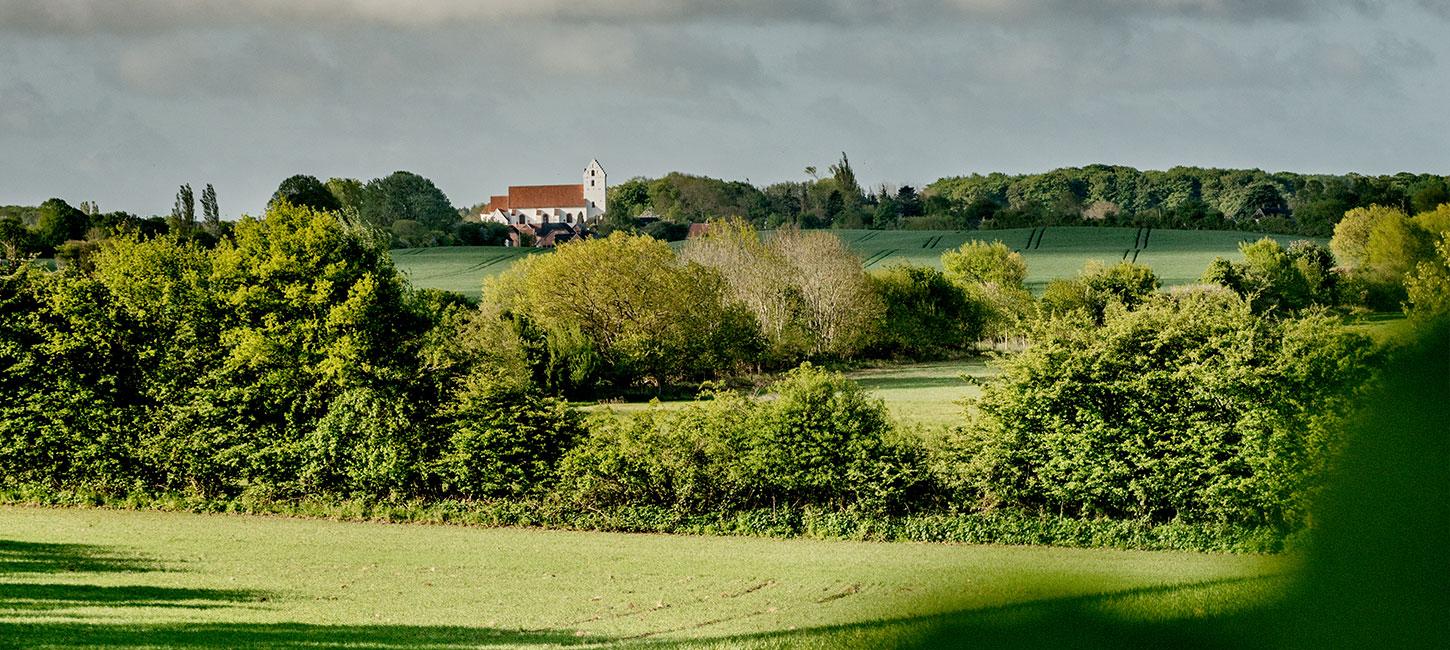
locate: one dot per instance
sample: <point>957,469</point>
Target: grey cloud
<point>152,16</point>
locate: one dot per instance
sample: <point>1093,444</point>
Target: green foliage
<point>822,440</point>
<point>1124,283</point>
<point>992,274</point>
<point>348,192</point>
<point>405,196</point>
<point>14,238</point>
<point>1273,278</point>
<point>979,262</point>
<point>505,439</point>
<point>306,191</point>
<point>289,359</point>
<point>925,314</point>
<point>1188,408</point>
<point>58,222</point>
<point>625,298</point>
<point>1428,287</point>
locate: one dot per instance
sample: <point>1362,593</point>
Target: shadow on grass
<point>904,383</point>
<point>1062,622</point>
<point>32,557</point>
<point>277,635</point>
<point>16,597</point>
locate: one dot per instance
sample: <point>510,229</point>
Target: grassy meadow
<point>1177,256</point>
<point>88,577</point>
<point>925,394</point>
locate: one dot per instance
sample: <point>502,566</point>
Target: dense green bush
<point>819,440</point>
<point>925,314</point>
<point>1090,293</point>
<point>505,438</point>
<point>1189,408</point>
<point>1275,279</point>
<point>291,359</point>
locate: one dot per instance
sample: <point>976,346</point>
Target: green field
<point>927,394</point>
<point>456,268</point>
<point>71,577</point>
<point>1178,256</point>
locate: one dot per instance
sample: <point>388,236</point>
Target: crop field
<point>925,394</point>
<point>86,577</point>
<point>456,268</point>
<point>1177,256</point>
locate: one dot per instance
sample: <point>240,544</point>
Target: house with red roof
<point>546,215</point>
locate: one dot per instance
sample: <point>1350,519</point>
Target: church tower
<point>596,185</point>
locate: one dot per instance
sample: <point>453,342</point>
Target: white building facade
<point>535,205</point>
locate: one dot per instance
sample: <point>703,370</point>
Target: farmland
<point>925,394</point>
<point>130,579</point>
<point>1177,256</point>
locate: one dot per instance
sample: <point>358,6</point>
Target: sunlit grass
<point>138,578</point>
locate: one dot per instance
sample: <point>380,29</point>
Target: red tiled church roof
<point>497,202</point>
<point>521,197</point>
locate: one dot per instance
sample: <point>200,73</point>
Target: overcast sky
<point>120,101</point>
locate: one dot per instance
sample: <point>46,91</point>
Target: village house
<point>547,215</point>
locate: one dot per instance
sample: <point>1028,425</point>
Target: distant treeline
<point>415,213</point>
<point>1181,197</point>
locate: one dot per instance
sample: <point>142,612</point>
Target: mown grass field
<point>1177,256</point>
<point>926,394</point>
<point>85,577</point>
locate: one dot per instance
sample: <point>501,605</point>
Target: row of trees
<point>1181,197</point>
<point>407,206</point>
<point>629,311</point>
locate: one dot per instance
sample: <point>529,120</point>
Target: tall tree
<point>211,217</point>
<point>846,180</point>
<point>183,212</point>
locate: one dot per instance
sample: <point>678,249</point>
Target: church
<point>546,215</point>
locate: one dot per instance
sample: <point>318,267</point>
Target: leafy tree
<point>407,196</point>
<point>306,191</point>
<point>1272,278</point>
<point>1351,234</point>
<point>627,200</point>
<point>1395,244</point>
<point>58,222</point>
<point>995,275</point>
<point>845,178</point>
<point>505,440</point>
<point>211,215</point>
<point>623,309</point>
<point>1430,194</point>
<point>13,237</point>
<point>348,192</point>
<point>925,313</point>
<point>978,262</point>
<point>1428,286</point>
<point>1097,287</point>
<point>909,202</point>
<point>183,212</point>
